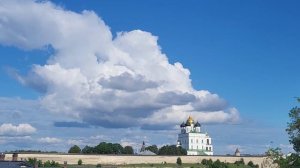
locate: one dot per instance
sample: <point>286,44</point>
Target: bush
<point>206,162</point>
<point>32,162</point>
<point>52,163</point>
<point>79,162</point>
<point>250,163</point>
<point>219,164</point>
<point>99,165</point>
<point>240,162</point>
<point>179,162</point>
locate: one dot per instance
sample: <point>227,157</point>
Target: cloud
<point>16,130</point>
<point>49,140</point>
<point>127,82</point>
<point>70,124</point>
<point>95,78</point>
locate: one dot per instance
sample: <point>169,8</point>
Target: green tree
<point>88,150</point>
<point>293,128</point>
<point>152,148</point>
<point>128,150</point>
<point>171,150</point>
<point>74,149</point>
<point>32,162</point>
<point>79,162</point>
<point>251,164</point>
<point>179,162</point>
<point>117,148</point>
<point>52,163</point>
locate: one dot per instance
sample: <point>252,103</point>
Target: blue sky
<point>245,52</point>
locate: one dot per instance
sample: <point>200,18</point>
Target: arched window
<point>207,141</point>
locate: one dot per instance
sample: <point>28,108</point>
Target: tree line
<point>167,150</point>
<point>115,148</point>
<point>102,148</point>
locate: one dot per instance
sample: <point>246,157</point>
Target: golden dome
<point>190,121</point>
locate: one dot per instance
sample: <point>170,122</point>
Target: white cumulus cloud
<point>122,81</point>
<point>49,140</point>
<point>8,129</point>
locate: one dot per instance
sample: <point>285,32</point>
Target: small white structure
<point>193,140</point>
<point>237,152</point>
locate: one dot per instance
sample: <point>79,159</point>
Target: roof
<point>146,152</point>
<point>14,164</point>
<point>189,121</point>
<point>197,124</point>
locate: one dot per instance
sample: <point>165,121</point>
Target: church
<point>193,139</point>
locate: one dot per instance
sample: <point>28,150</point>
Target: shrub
<point>52,163</point>
<point>250,163</point>
<point>240,162</point>
<point>99,165</point>
<point>32,162</point>
<point>79,162</point>
<point>179,162</point>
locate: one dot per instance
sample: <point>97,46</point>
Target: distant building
<point>193,139</point>
<point>237,152</point>
<point>143,150</point>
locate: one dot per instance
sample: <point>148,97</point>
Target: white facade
<point>193,140</point>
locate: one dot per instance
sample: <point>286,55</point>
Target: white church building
<point>193,139</point>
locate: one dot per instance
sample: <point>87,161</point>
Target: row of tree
<point>115,148</point>
<point>167,150</point>
<point>102,148</point>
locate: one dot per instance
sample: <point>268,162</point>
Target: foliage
<point>128,150</point>
<point>52,163</point>
<point>240,162</point>
<point>98,165</point>
<point>274,153</point>
<point>252,165</point>
<point>152,148</point>
<point>88,150</point>
<point>79,162</point>
<point>293,128</point>
<point>179,162</point>
<point>107,148</point>
<point>74,149</point>
<point>217,164</point>
<point>48,163</point>
<point>171,150</point>
<point>291,161</point>
<point>32,162</point>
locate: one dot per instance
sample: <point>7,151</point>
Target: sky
<point>81,72</point>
